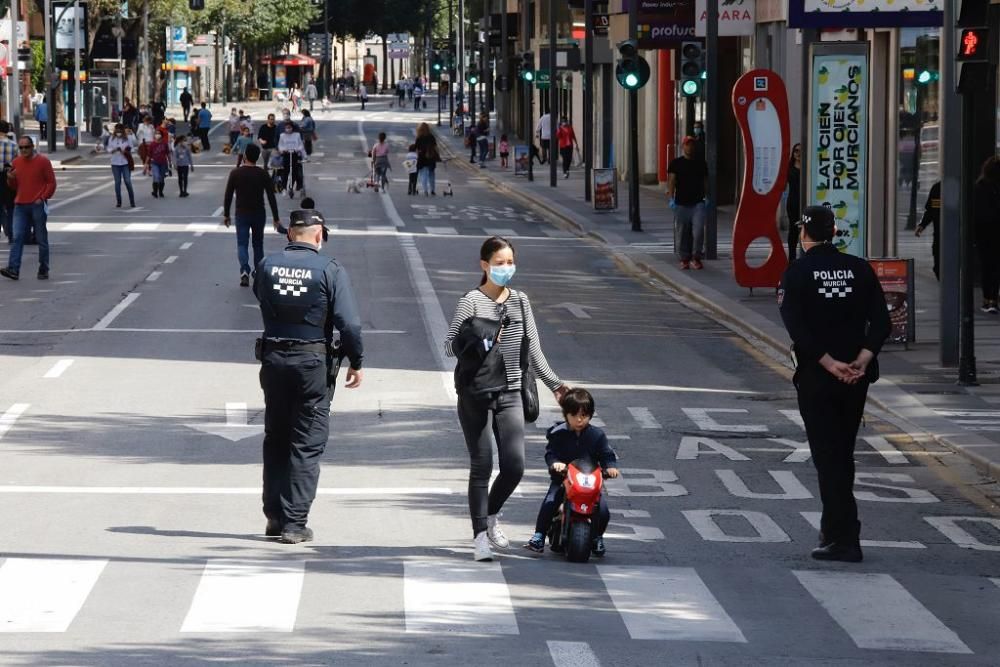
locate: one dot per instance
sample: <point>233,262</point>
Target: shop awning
<point>294,60</point>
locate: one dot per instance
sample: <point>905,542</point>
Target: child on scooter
<point>568,441</point>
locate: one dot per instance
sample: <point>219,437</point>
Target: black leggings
<point>990,270</point>
<point>507,428</point>
<point>182,177</point>
<point>567,158</point>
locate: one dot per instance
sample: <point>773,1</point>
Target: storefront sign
<point>896,277</point>
<point>664,23</point>
<point>605,182</point>
<point>863,13</point>
<point>735,18</point>
<point>838,152</point>
<point>760,104</point>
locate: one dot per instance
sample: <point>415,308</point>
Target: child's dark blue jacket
<point>566,446</point>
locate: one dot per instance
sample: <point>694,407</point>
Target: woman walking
<point>307,127</point>
<point>427,158</point>
<point>498,414</point>
<point>159,162</point>
<point>986,212</point>
<point>184,162</point>
<point>120,147</point>
<point>567,141</point>
<point>793,202</point>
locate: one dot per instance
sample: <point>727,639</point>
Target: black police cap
<point>306,218</point>
<point>819,223</point>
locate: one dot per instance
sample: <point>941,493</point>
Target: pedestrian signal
<point>974,45</point>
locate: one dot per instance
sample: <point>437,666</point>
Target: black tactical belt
<point>297,346</point>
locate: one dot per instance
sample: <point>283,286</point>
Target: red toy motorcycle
<point>571,531</point>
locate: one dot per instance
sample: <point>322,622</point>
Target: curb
<point>760,333</point>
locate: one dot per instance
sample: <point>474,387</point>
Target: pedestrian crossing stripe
<point>443,596</point>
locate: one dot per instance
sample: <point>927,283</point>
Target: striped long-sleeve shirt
<point>477,304</point>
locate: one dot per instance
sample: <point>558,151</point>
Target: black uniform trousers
<point>832,412</point>
<point>296,428</point>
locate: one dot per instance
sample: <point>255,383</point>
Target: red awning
<point>296,60</point>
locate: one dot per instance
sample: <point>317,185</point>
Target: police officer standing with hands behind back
<point>835,312</point>
<point>303,296</point>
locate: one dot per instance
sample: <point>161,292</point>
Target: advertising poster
<point>839,139</point>
<point>605,189</point>
<point>896,278</point>
<point>280,76</point>
<point>64,27</point>
<point>864,13</point>
<point>665,23</point>
<point>521,159</point>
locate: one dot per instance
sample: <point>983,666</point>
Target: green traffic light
<point>528,76</point>
<point>437,67</point>
<point>690,87</point>
<point>926,76</point>
<point>631,80</point>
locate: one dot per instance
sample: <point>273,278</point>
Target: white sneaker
<point>495,533</point>
<point>481,547</point>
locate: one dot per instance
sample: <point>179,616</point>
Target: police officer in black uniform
<point>303,297</point>
<point>835,312</point>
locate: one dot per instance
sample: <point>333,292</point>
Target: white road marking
<point>89,192</point>
<point>106,321</point>
<point>878,613</point>
<point>217,491</point>
<point>996,581</point>
<point>10,417</point>
<point>791,487</point>
<point>644,417</point>
<point>80,226</point>
<point>910,494</point>
<point>661,387</point>
<point>201,227</point>
<point>442,231</point>
<point>767,531</point>
<point>58,369</point>
<point>800,450</point>
<point>199,234</point>
<point>814,520</point>
<point>186,245</point>
<point>572,654</point>
<point>970,413</point>
<point>43,594</point>
<point>668,603</point>
<point>217,212</point>
<point>702,417</point>
<point>886,449</point>
<point>142,227</point>
<point>795,417</point>
<point>246,596</point>
<point>950,528</point>
<point>692,447</point>
<point>154,276</point>
<point>170,260</point>
<point>575,309</point>
<point>444,596</point>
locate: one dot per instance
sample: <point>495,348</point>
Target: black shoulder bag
<point>529,386</point>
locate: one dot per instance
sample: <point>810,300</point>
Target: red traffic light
<point>974,45</point>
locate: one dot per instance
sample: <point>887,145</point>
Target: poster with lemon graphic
<point>837,161</point>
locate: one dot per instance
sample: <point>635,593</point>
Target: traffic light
<point>975,52</point>
<point>472,77</point>
<point>632,70</point>
<point>527,66</point>
<point>437,63</point>
<point>692,68</point>
<point>196,5</point>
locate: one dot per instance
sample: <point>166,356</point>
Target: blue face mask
<point>501,275</point>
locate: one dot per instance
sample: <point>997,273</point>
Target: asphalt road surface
<point>130,436</point>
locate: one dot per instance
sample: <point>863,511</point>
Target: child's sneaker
<point>597,547</point>
<point>481,548</point>
<point>536,543</point>
<point>497,538</point>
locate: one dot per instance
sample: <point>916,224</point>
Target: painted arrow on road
<point>576,310</point>
<point>236,427</point>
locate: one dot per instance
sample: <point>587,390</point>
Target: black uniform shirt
<point>690,174</point>
<point>304,295</point>
<point>832,303</point>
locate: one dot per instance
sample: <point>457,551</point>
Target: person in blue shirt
<point>568,441</point>
<point>42,116</point>
<point>204,125</point>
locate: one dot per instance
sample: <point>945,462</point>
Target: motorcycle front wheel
<point>578,542</point>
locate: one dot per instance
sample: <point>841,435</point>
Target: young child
<point>244,140</point>
<point>568,441</point>
<point>504,150</point>
<point>183,162</point>
<point>411,168</point>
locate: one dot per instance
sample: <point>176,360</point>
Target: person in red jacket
<point>32,178</point>
<point>567,141</point>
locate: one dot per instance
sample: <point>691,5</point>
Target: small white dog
<point>447,192</point>
<point>353,185</point>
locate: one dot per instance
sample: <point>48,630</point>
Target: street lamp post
<point>553,95</point>
<point>50,78</point>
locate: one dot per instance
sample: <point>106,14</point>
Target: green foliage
<point>38,57</point>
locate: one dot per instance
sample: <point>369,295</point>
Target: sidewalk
<point>921,395</point>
